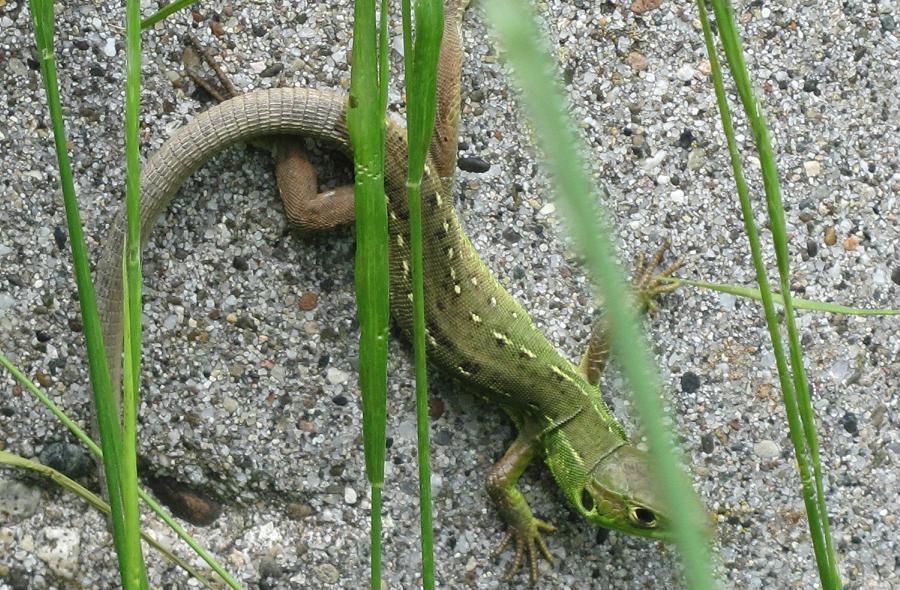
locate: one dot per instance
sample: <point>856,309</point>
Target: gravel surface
<point>250,334</point>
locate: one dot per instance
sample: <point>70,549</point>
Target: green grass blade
<point>98,503</point>
<point>165,11</point>
<point>420,76</point>
<point>795,391</point>
<point>131,292</point>
<point>365,122</point>
<point>808,304</point>
<point>104,402</point>
<point>532,68</point>
<point>95,450</point>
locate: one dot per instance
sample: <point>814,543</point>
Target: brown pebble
<point>851,243</point>
<point>43,379</point>
<point>217,29</point>
<point>298,510</point>
<point>308,301</point>
<point>642,6</point>
<point>307,426</point>
<point>830,236</point>
<point>435,408</point>
<point>198,18</point>
<point>228,10</point>
<point>637,61</point>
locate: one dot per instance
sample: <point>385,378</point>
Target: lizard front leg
<point>525,530</point>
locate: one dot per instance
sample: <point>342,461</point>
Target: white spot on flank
<point>452,273</point>
<point>527,352</point>
<point>438,199</point>
<point>559,372</point>
<point>515,315</point>
<point>463,372</point>
<point>456,289</point>
<point>400,241</point>
<point>476,318</point>
<point>392,214</point>
<point>447,226</point>
<point>474,281</point>
<point>406,267</point>
<point>493,302</point>
<point>450,253</point>
<point>409,296</point>
<point>501,337</point>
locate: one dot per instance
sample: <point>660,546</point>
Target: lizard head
<point>620,494</point>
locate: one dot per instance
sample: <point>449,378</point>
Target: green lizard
<point>476,331</point>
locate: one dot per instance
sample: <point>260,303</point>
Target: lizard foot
<point>193,57</point>
<point>528,537</point>
<point>648,284</point>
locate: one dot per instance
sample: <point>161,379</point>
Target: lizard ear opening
<point>587,500</point>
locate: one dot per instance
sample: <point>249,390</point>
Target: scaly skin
<point>476,331</point>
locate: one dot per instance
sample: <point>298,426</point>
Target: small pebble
<point>308,301</point>
<point>473,164</point>
<point>766,449</point>
<point>830,236</point>
<point>327,573</point>
<point>350,496</point>
<point>336,376</point>
<point>812,168</point>
<point>690,382</point>
<point>848,421</point>
<point>69,459</point>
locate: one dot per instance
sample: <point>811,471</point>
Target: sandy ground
<point>251,331</point>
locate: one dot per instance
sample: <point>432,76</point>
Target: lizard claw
<point>648,284</point>
<point>531,540</point>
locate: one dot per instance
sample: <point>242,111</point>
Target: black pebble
<point>686,139</point>
<point>511,235</point>
<point>690,382</point>
<point>68,459</point>
<point>473,164</point>
<point>42,336</point>
<point>602,535</point>
<point>59,234</point>
<point>848,421</point>
<point>339,400</point>
<point>812,248</point>
<point>240,263</point>
<point>273,70</point>
<point>811,85</point>
<point>323,361</point>
<point>707,443</point>
<point>895,276</point>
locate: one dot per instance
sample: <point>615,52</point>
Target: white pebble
<point>109,49</point>
<point>350,495</point>
<point>336,376</point>
<point>766,449</point>
<point>812,168</point>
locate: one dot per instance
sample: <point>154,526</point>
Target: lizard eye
<point>587,501</point>
<point>642,517</point>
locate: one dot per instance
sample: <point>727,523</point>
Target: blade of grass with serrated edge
<point>796,393</point>
<point>365,122</point>
<point>532,68</point>
<point>420,76</point>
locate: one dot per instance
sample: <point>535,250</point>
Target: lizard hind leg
<point>194,55</point>
<point>647,285</point>
<point>304,206</point>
